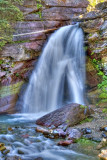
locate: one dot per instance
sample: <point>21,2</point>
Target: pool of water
<point>18,134</point>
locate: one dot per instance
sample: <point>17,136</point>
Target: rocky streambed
<point>21,138</point>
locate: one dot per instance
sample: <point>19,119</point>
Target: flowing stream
<point>59,76</point>
<point>18,134</point>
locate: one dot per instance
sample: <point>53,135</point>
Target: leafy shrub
<point>9,14</point>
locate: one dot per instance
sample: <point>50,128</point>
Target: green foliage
<point>17,74</point>
<point>82,106</point>
<point>92,53</point>
<point>1,61</point>
<point>103,85</point>
<point>105,110</point>
<point>9,14</point>
<point>86,120</point>
<point>93,3</point>
<point>84,141</point>
<point>39,7</point>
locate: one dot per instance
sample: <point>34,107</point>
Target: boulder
<point>70,115</point>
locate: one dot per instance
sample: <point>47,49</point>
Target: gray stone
<point>70,3</point>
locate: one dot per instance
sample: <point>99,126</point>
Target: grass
<point>86,120</point>
<point>84,141</point>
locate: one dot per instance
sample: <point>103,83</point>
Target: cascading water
<point>59,75</point>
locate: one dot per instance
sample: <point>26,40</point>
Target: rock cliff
<point>18,58</point>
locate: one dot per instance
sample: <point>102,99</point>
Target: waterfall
<point>59,75</point>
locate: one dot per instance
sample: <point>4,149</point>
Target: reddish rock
<point>53,24</point>
<point>30,25</point>
<point>30,3</point>
<point>42,130</point>
<point>32,17</point>
<point>60,13</point>
<point>70,115</point>
<point>36,46</point>
<point>29,10</point>
<point>65,143</point>
<point>7,104</point>
<point>68,3</point>
<point>15,51</point>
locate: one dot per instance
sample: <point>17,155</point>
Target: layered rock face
<point>95,26</point>
<point>17,60</point>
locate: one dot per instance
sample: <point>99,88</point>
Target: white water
<point>59,75</point>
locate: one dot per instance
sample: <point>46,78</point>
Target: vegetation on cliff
<point>9,13</point>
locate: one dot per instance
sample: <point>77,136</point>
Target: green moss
<point>86,120</point>
<point>82,106</point>
<point>17,74</point>
<point>39,7</point>
<point>18,42</point>
<point>10,90</point>
<point>92,53</point>
<point>1,61</point>
<point>103,95</point>
<point>105,110</point>
<point>67,121</point>
<point>84,141</point>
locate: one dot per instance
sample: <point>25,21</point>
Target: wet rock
<point>65,143</point>
<point>10,129</point>
<point>103,155</point>
<point>3,149</point>
<point>20,151</point>
<point>102,144</point>
<point>87,136</point>
<point>39,158</point>
<point>69,115</point>
<point>43,130</point>
<point>96,139</point>
<point>60,132</point>
<point>73,134</point>
<point>13,158</point>
<point>103,128</point>
<point>86,131</point>
<point>104,134</point>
